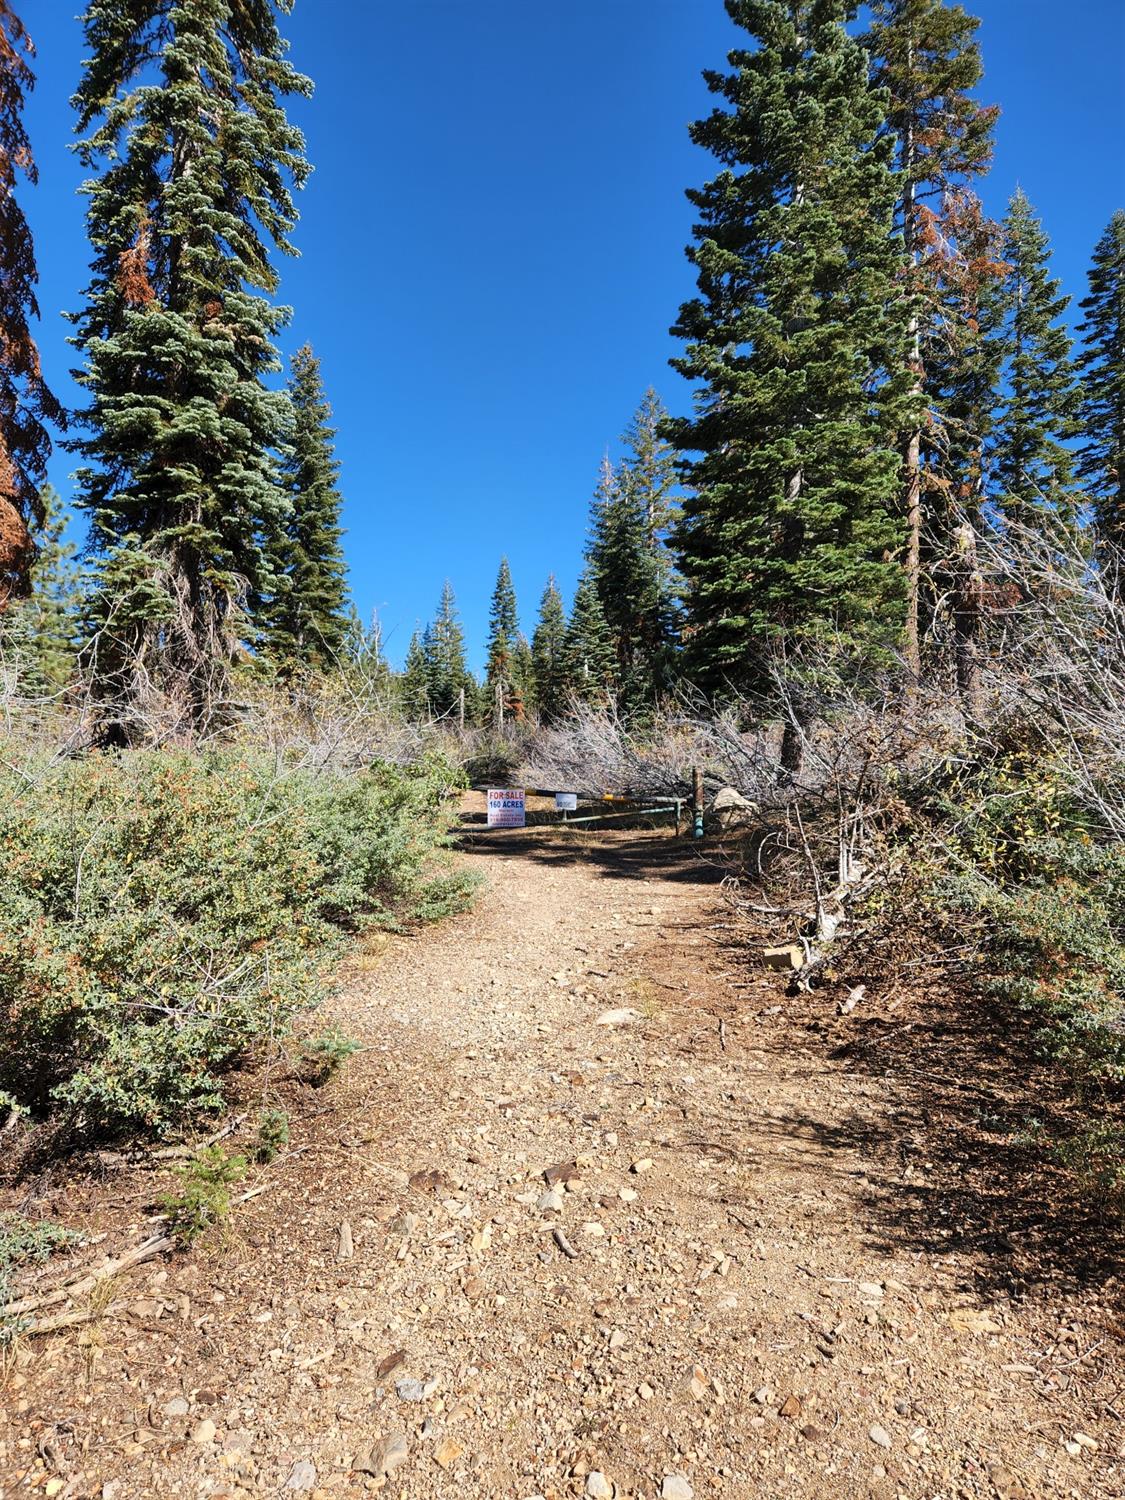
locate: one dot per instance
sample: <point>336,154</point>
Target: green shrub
<point>273,1135</point>
<point>323,1056</point>
<point>204,1196</point>
<point>163,914</point>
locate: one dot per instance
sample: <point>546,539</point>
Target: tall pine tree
<point>414,684</point>
<point>926,59</point>
<point>502,695</point>
<point>1030,462</point>
<point>790,520</point>
<point>549,655</point>
<point>1102,364</point>
<point>449,684</point>
<point>305,619</point>
<point>181,106</point>
<point>589,647</point>
<point>26,404</point>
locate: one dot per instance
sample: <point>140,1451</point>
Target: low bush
<point>203,1200</point>
<point>162,914</point>
<point>24,1242</point>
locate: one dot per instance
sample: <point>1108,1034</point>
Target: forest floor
<point>785,1254</point>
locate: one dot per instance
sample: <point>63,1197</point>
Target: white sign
<point>566,801</point>
<point>506,809</point>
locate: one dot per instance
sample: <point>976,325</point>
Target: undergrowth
<point>166,915</point>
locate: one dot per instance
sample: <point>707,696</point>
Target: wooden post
<point>697,802</point>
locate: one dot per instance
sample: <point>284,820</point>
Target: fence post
<point>697,802</point>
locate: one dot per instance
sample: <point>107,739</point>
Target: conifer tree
<point>525,701</point>
<point>501,695</point>
<point>26,403</point>
<point>926,60</point>
<point>1031,464</point>
<point>549,655</point>
<point>649,469</point>
<point>414,684</point>
<point>627,560</point>
<point>589,648</point>
<point>181,108</point>
<point>305,620</point>
<point>363,653</point>
<point>1102,364</point>
<point>39,633</point>
<point>449,684</point>
<point>797,345</point>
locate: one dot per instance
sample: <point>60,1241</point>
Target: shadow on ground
<point>629,855</point>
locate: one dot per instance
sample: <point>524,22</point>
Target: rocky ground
<point>599,1211</point>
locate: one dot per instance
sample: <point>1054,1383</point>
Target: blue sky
<point>492,246</point>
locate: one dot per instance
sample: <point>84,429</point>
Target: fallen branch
<point>147,1250</point>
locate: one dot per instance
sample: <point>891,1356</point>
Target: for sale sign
<point>506,809</point>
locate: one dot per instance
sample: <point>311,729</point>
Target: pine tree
<point>26,404</point>
<point>524,698</point>
<point>795,342</point>
<point>649,469</point>
<point>182,109</point>
<point>1102,363</point>
<point>589,648</point>
<point>449,684</point>
<point>414,684</point>
<point>305,620</point>
<point>501,696</point>
<point>39,633</point>
<point>633,582</point>
<point>549,655</point>
<point>926,59</point>
<point>1031,466</point>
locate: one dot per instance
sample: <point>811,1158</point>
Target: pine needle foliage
<point>796,344</point>
<point>549,655</point>
<point>305,619</point>
<point>193,161</point>
<point>1102,365</point>
<point>1032,464</point>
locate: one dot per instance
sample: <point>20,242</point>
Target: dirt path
<point>725,1298</point>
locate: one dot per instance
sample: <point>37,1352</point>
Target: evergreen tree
<point>926,61</point>
<point>633,581</point>
<point>549,655</point>
<point>501,696</point>
<point>525,701</point>
<point>448,681</point>
<point>185,133</point>
<point>589,648</point>
<point>795,343</point>
<point>414,684</point>
<point>305,620</point>
<point>38,633</point>
<point>26,404</point>
<point>1102,363</point>
<point>1031,465</point>
<point>649,469</point>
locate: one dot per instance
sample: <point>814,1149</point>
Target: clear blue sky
<point>492,246</point>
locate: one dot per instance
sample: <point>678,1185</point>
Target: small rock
<point>880,1435</point>
<point>565,1172</point>
<point>551,1202</point>
<point>763,1396</point>
<point>448,1452</point>
<point>383,1457</point>
<point>409,1389</point>
<point>622,1017</point>
<point>676,1487</point>
<point>645,1164</point>
<point>645,1391</point>
<point>598,1486</point>
<point>204,1432</point>
<point>177,1407</point>
<point>791,1407</point>
<point>870,1289</point>
<point>594,1229</point>
<point>627,1194</point>
<point>1084,1440</point>
<point>303,1476</point>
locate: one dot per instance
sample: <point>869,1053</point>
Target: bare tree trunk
<point>967,589</point>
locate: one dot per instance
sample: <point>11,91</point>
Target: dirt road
<point>622,1220</point>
